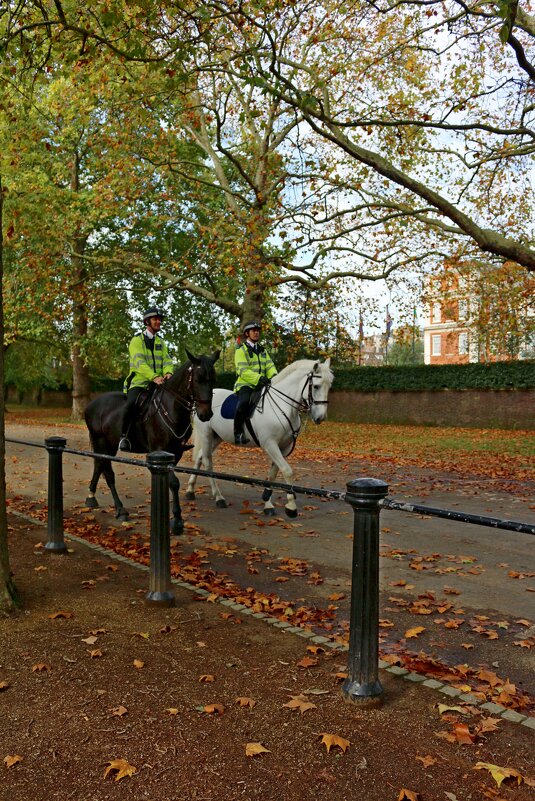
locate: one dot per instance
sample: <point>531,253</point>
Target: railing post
<point>55,447</point>
<point>160,593</point>
<point>362,685</point>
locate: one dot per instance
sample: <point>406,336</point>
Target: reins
<point>187,403</point>
<point>301,405</point>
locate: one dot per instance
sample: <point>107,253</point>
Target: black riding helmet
<point>153,311</point>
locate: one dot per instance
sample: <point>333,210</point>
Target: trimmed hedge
<point>492,375</point>
<point>226,380</point>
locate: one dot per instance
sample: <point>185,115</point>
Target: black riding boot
<point>239,417</point>
<point>129,417</point>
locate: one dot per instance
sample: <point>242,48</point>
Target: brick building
<point>461,323</point>
<point>447,334</point>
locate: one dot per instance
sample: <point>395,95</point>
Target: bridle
<point>302,405</point>
<point>188,402</point>
<point>310,402</point>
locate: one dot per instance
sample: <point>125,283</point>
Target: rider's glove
<point>263,381</point>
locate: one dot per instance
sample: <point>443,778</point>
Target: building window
<point>463,309</point>
<point>463,343</point>
<point>435,344</point>
<point>436,312</point>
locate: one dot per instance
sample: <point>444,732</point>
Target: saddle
<point>228,409</point>
<point>143,402</point>
<point>146,410</point>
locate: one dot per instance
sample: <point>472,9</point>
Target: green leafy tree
<point>316,324</point>
<point>432,114</point>
<point>8,592</point>
<point>274,207</point>
<point>407,348</point>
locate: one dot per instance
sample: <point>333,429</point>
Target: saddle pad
<point>228,409</point>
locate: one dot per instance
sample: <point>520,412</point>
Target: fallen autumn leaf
<point>11,760</point>
<point>409,795</point>
<point>498,773</point>
<point>254,749</point>
<point>300,702</point>
<point>122,767</point>
<point>331,740</point>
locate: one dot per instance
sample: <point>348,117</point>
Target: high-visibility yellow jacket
<point>147,363</point>
<point>250,365</point>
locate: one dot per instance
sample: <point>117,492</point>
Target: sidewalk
<point>93,675</point>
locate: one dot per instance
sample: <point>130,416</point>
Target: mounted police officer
<point>149,364</point>
<point>254,369</point>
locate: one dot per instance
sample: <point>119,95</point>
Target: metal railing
<point>366,496</point>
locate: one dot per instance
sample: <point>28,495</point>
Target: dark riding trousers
<point>130,409</point>
<point>242,409</point>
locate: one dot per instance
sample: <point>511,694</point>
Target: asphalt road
<point>489,573</point>
<point>474,560</point>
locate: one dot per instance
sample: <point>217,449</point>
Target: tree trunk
<point>8,593</point>
<point>80,370</point>
<point>254,299</point>
<point>81,381</point>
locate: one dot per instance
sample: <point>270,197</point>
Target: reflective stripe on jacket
<point>146,364</point>
<point>250,365</point>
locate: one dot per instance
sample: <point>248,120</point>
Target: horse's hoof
<point>177,527</point>
<point>221,503</point>
<point>270,512</point>
<point>122,515</point>
<point>266,495</point>
<point>190,496</point>
<point>290,512</point>
<point>91,503</point>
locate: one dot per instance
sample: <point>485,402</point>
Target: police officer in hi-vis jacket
<point>149,362</point>
<point>254,369</point>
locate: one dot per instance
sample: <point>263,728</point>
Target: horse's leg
<point>210,443</point>
<point>109,475</point>
<point>177,526</point>
<point>197,462</point>
<point>205,444</point>
<point>273,451</point>
<point>91,501</point>
<point>269,509</point>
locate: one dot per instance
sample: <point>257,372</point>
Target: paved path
<point>321,533</point>
<point>484,569</point>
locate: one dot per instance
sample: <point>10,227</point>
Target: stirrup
<point>124,444</point>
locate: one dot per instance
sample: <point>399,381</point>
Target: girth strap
<point>251,430</point>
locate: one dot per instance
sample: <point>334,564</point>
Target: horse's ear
<point>193,359</point>
<point>215,356</point>
<point>315,367</point>
<point>328,362</point>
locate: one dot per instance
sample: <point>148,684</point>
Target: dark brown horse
<point>164,424</point>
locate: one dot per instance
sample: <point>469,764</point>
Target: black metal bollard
<point>160,593</point>
<point>55,447</point>
<point>362,685</point>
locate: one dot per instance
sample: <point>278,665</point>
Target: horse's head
<point>316,390</point>
<point>202,383</point>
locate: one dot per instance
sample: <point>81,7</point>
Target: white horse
<point>302,386</point>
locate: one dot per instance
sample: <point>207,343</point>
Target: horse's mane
<point>300,366</point>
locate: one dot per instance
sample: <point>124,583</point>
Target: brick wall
<point>513,409</point>
<point>504,408</point>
